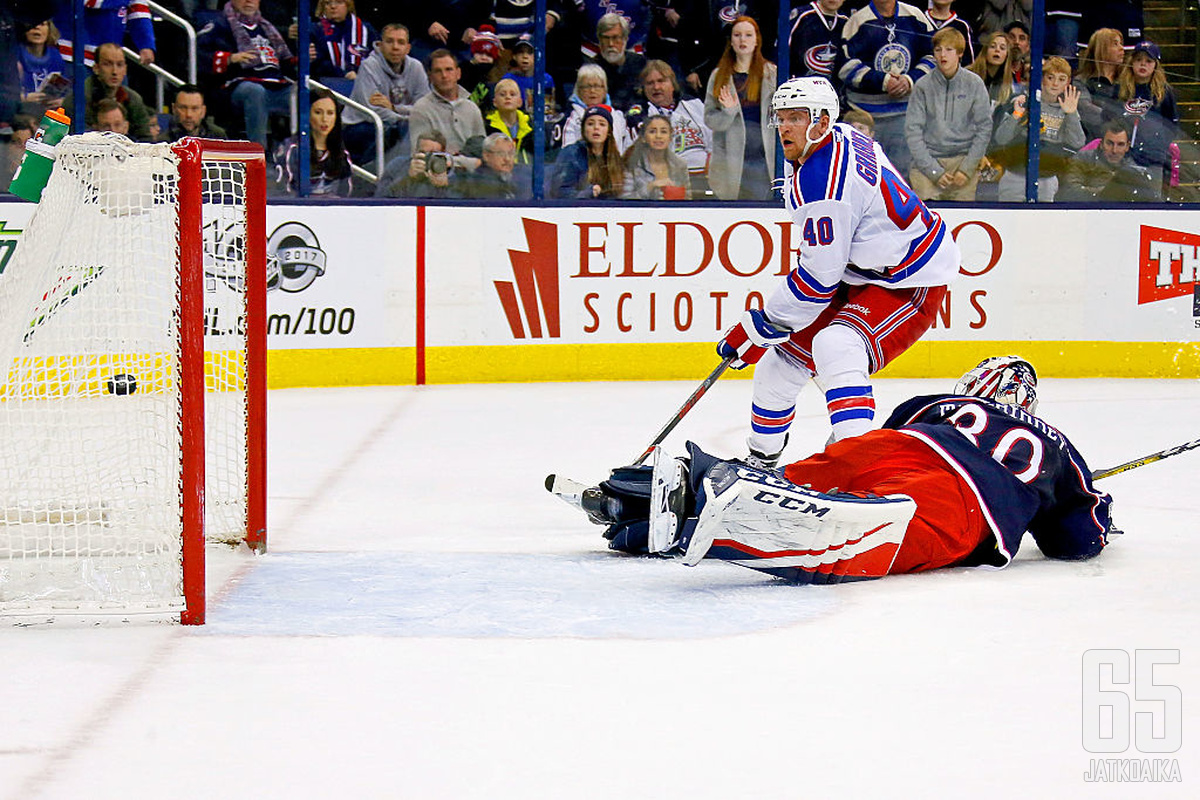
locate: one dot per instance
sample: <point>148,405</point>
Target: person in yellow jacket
<point>507,117</point>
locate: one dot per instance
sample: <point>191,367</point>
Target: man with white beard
<point>623,67</point>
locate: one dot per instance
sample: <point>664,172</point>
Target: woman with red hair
<point>738,110</point>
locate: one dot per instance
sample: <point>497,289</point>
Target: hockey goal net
<point>132,377</point>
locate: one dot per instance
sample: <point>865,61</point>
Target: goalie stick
<point>572,492</point>
<point>1144,460</point>
<point>687,406</point>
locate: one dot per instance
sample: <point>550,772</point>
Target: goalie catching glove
<point>749,340</point>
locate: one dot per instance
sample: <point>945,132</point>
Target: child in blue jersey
<point>872,269</point>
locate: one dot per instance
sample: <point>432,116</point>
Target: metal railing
<point>162,76</point>
<point>313,83</point>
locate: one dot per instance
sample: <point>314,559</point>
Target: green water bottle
<point>30,178</point>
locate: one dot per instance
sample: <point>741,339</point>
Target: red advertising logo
<point>1169,264</point>
<point>536,283</point>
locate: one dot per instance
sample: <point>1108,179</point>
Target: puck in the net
<point>122,384</point>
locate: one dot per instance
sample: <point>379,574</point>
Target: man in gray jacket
<point>948,125</point>
<point>389,81</point>
<point>447,109</point>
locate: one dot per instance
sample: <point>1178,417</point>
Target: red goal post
<point>133,378</point>
<point>197,159</point>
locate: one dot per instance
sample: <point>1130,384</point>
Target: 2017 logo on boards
<point>1169,264</point>
<point>534,289</point>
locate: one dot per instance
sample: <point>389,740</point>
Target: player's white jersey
<point>859,223</point>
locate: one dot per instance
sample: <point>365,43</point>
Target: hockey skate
<point>668,501</point>
<point>761,460</point>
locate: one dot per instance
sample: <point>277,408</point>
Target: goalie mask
<point>1010,380</point>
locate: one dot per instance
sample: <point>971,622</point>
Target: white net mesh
<point>90,492</point>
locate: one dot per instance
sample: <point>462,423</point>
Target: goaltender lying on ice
<point>950,480</point>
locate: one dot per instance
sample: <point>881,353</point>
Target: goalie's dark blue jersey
<point>1026,475</point>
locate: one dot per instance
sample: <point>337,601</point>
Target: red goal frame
<point>193,153</point>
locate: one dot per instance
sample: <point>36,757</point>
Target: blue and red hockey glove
<point>749,339</point>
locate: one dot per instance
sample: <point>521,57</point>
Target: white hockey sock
<point>777,383</point>
<point>841,358</point>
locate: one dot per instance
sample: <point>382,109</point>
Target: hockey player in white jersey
<point>871,271</point>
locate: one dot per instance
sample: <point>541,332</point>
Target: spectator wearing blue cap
<point>1149,106</point>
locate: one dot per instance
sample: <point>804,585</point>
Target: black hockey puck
<point>122,384</point>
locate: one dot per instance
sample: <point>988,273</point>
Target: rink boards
<point>391,294</point>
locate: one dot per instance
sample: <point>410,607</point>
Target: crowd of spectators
<point>644,99</point>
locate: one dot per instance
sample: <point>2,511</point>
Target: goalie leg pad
<point>755,519</point>
<point>668,501</point>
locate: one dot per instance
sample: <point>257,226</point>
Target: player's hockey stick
<point>1144,460</point>
<point>687,406</point>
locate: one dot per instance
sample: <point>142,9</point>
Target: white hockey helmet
<point>814,94</point>
<point>1010,380</point>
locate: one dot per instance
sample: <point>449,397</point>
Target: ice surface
<point>430,623</point>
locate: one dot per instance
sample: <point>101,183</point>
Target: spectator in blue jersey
<point>389,81</point>
<point>737,108</point>
<point>948,125</point>
<point>245,55</point>
<point>958,479</point>
<point>942,15</point>
<point>815,38</point>
<point>692,139</point>
<point>886,49</point>
<point>108,21</point>
<point>622,65</point>
<point>1149,107</point>
<point>41,63</point>
<point>341,40</point>
<point>329,163</point>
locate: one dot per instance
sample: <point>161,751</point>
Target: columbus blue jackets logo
<point>294,258</point>
<point>894,59</point>
<point>819,59</point>
<point>1138,106</point>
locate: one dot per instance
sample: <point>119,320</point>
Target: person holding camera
<point>426,174</point>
